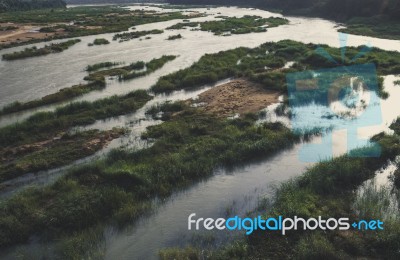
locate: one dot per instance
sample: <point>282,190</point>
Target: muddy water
<point>237,192</point>
<point>29,79</point>
<point>228,192</point>
<point>136,123</point>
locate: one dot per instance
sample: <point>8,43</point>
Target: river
<point>237,191</point>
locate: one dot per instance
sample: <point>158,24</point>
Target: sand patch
<point>238,96</point>
<point>24,33</point>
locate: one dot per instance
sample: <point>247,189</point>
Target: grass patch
<point>62,95</point>
<point>131,71</point>
<point>234,25</point>
<point>379,27</point>
<point>123,37</point>
<point>87,20</point>
<point>174,37</point>
<point>99,41</point>
<point>45,125</point>
<point>34,51</point>
<point>101,65</point>
<point>264,65</point>
<point>53,153</point>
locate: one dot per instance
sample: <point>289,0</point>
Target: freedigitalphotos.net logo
<point>338,98</point>
<point>280,223</point>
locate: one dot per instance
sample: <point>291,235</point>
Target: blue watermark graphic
<point>344,97</point>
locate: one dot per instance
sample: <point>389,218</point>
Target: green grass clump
<point>134,35</point>
<point>131,71</point>
<point>246,24</point>
<point>34,51</point>
<point>379,27</point>
<point>67,149</point>
<point>234,25</point>
<point>101,65</point>
<point>264,65</point>
<point>150,66</point>
<point>174,37</point>
<point>99,41</point>
<point>328,190</point>
<point>179,26</point>
<point>177,253</point>
<point>62,95</point>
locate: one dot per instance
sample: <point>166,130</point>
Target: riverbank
<point>129,180</point>
<point>328,189</point>
<point>61,150</point>
<point>46,50</point>
<point>43,141</point>
<point>50,24</point>
<point>266,65</point>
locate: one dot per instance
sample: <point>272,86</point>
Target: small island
<point>100,41</point>
<point>34,51</point>
<point>174,37</point>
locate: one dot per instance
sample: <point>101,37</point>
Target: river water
<point>237,191</point>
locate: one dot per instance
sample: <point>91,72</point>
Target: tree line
<point>20,5</point>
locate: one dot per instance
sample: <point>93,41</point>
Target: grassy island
<point>100,41</point>
<point>34,51</point>
<point>234,25</point>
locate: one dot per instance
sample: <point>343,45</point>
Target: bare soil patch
<point>239,96</point>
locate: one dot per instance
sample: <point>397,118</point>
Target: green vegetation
<point>174,37</point>
<point>246,24</point>
<point>397,82</point>
<point>151,66</point>
<point>131,71</point>
<point>16,5</point>
<point>183,25</point>
<point>101,65</point>
<point>263,65</point>
<point>117,189</point>
<point>42,141</point>
<point>375,27</point>
<point>371,18</point>
<point>112,72</point>
<point>34,51</point>
<point>44,125</point>
<point>84,20</point>
<point>327,190</point>
<point>62,95</point>
<point>134,35</point>
<point>334,9</point>
<point>100,41</point>
<point>53,153</point>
